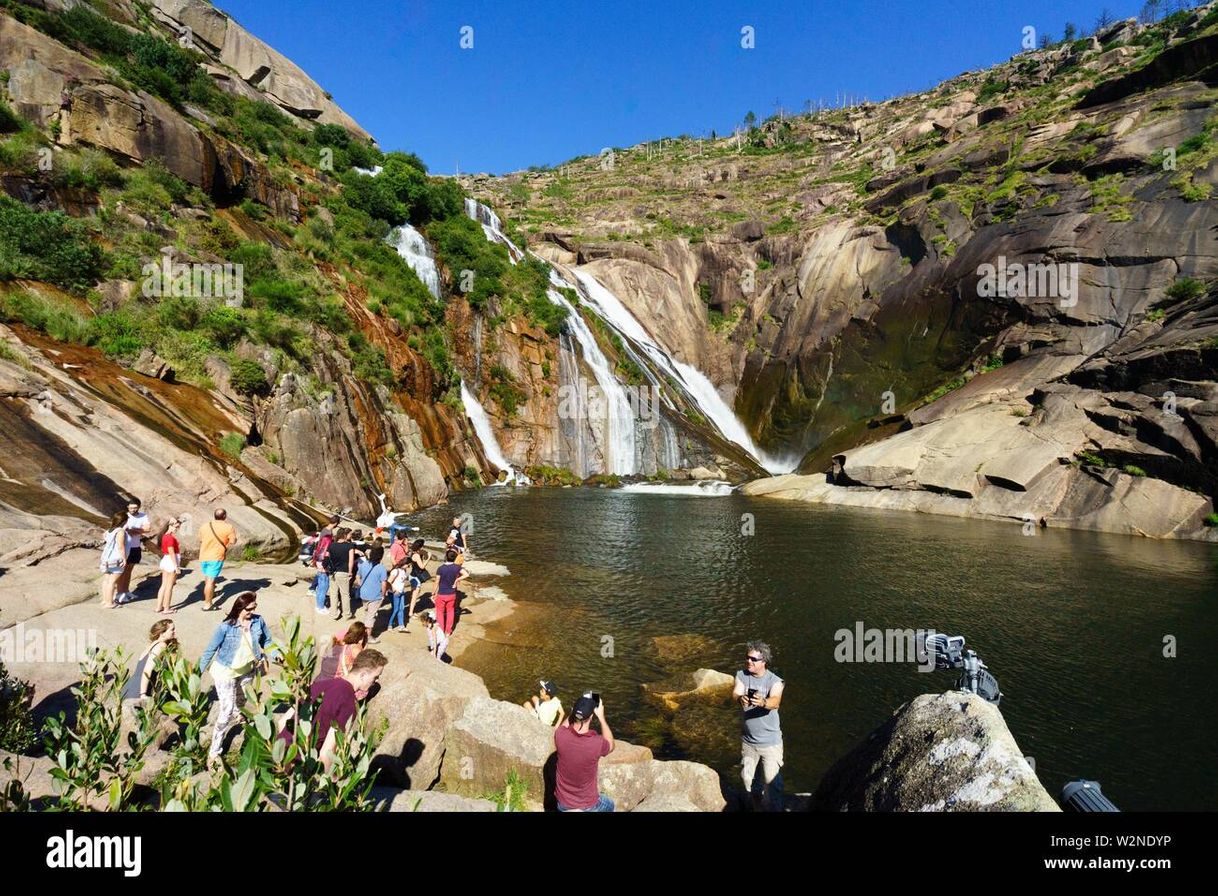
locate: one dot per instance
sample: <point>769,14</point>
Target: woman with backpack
<point>113,558</point>
<point>319,560</point>
<point>418,572</point>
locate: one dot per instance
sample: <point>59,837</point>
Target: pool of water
<point>1072,624</point>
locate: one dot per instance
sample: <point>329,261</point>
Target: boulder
<point>939,752</point>
<point>139,127</point>
<point>631,784</point>
<point>710,680</point>
<point>149,363</point>
<point>491,739</point>
<point>420,699</point>
<point>389,799</point>
<point>666,802</point>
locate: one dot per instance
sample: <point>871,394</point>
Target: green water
<point>1071,623</point>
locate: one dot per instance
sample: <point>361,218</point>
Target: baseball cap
<point>584,707</point>
<point>549,687</point>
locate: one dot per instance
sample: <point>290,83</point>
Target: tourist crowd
<point>384,567</point>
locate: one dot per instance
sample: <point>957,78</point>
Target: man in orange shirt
<point>214,541</point>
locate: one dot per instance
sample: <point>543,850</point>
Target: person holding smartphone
<point>759,693</point>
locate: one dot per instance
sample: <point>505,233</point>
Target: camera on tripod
<point>948,652</point>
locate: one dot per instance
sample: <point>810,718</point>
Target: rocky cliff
<point>309,393</point>
<point>845,276</point>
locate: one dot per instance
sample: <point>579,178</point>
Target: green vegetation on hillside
<point>299,279</point>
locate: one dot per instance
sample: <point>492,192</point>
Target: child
<point>545,703</point>
<point>437,641</point>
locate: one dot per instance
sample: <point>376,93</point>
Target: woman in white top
<point>113,558</point>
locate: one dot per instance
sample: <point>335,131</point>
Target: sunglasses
<point>251,608</point>
<point>753,659</point>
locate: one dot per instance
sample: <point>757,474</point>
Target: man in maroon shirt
<point>337,702</point>
<point>579,754</point>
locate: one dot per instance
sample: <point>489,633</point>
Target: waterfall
<point>492,227</point>
<point>572,426</point>
<point>619,414</point>
<point>416,252</point>
<point>486,435</point>
<point>477,350</point>
<point>621,449</point>
<point>693,381</point>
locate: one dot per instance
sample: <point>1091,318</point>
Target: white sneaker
<point>124,598</point>
<point>322,611</point>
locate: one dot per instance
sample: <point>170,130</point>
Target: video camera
<point>948,652</point>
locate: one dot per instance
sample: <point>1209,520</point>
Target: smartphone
<point>752,693</point>
<point>596,698</point>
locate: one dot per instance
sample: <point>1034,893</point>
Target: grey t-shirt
<point>760,725</point>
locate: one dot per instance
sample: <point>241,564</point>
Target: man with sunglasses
<point>759,692</point>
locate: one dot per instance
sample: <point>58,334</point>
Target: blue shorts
<point>211,568</point>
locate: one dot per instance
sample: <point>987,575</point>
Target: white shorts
<point>167,564</point>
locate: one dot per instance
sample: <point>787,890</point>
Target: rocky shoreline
<point>450,746</point>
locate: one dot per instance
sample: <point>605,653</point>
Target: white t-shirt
<point>549,711</point>
<point>136,521</point>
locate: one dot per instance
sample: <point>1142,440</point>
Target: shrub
<point>248,378</point>
<point>224,324</point>
<point>47,246</point>
<point>91,762</point>
<point>271,772</point>
<point>117,334</point>
<point>89,170</point>
<point>461,245</point>
<point>1185,289</point>
<point>179,312</point>
<point>57,320</point>
<point>1211,519</point>
<point>1133,470</point>
<point>507,394</point>
<point>18,731</point>
<point>233,444</point>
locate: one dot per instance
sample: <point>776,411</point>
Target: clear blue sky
<point>549,80</point>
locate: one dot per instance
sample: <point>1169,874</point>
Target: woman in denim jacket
<point>236,651</point>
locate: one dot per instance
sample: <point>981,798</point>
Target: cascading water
<point>622,451</point>
<point>486,435</point>
<point>477,350</point>
<point>416,251</point>
<point>700,389</point>
<point>618,413</point>
<point>492,227</point>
